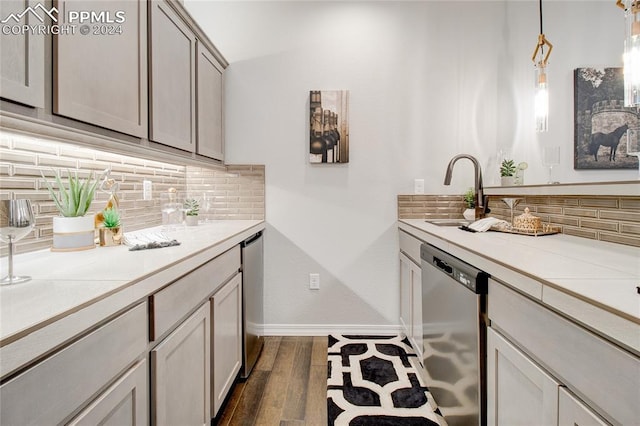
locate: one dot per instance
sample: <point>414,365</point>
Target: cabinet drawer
<point>51,391</point>
<point>410,246</point>
<point>171,304</point>
<point>602,374</point>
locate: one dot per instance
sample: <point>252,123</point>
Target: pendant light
<point>631,56</point>
<point>540,60</point>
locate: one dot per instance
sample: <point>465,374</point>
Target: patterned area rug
<point>372,382</point>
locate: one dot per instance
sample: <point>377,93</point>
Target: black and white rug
<point>372,382</point>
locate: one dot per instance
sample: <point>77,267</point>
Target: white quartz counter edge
<point>40,316</point>
<point>593,283</point>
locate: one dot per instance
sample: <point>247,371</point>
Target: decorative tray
<point>546,230</point>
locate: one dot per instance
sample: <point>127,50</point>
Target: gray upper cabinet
<point>210,139</point>
<point>21,58</point>
<point>172,79</point>
<point>101,77</point>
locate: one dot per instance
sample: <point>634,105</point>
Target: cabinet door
<point>123,404</point>
<point>210,140</point>
<point>173,79</point>
<point>22,55</point>
<point>101,77</point>
<point>519,392</point>
<point>406,313</point>
<point>411,302</point>
<point>180,371</point>
<point>572,412</point>
<point>226,307</point>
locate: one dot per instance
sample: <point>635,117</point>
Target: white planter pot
<point>507,180</point>
<point>73,233</point>
<point>191,220</point>
<point>469,214</point>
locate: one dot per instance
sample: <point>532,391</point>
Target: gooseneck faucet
<point>481,207</point>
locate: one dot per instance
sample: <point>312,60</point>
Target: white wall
<point>427,80</point>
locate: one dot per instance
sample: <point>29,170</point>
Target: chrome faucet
<point>481,202</point>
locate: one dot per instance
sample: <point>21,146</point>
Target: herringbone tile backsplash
<point>606,218</point>
<point>232,192</point>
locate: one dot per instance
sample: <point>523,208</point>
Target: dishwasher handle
<point>442,265</point>
<point>252,239</point>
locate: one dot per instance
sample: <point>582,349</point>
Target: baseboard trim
<point>326,329</point>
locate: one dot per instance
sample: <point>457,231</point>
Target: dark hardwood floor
<point>288,386</point>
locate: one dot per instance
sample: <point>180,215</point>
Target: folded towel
<point>148,240</point>
<point>485,224</point>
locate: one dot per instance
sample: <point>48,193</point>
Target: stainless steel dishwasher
<point>454,335</point>
<point>252,301</point>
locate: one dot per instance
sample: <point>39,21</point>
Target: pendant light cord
<point>541,32</point>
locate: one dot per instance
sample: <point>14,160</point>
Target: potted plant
<point>192,208</point>
<point>111,231</point>
<point>72,230</point>
<point>470,203</point>
<point>507,172</point>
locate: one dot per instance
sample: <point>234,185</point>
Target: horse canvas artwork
<point>328,127</point>
<point>604,129</point>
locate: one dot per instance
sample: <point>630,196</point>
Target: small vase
<point>73,233</point>
<point>191,220</point>
<point>507,180</point>
<point>110,236</point>
<point>469,214</point>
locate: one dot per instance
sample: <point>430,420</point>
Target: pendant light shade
<point>631,56</point>
<point>541,99</point>
<point>540,61</point>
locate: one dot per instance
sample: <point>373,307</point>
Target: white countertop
<point>83,285</point>
<point>592,282</point>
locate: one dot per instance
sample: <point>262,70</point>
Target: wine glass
<point>633,147</point>
<point>511,203</point>
<point>16,221</point>
<point>550,159</point>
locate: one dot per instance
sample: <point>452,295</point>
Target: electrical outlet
<point>418,186</point>
<point>146,190</point>
<point>314,281</point>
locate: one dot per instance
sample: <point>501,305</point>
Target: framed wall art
<point>328,126</point>
<point>604,129</point>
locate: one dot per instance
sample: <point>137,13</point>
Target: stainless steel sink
<point>448,222</point>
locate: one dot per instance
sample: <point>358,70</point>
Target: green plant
<point>470,198</point>
<point>507,168</point>
<point>192,206</point>
<point>111,218</point>
<point>75,197</point>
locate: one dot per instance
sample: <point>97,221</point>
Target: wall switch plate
<point>418,186</point>
<point>314,281</point>
<point>146,190</point>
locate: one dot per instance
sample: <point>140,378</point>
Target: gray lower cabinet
<point>123,404</point>
<point>172,78</point>
<point>543,369</point>
<point>196,333</point>
<point>411,290</point>
<point>180,392</point>
<point>59,387</point>
<point>22,60</point>
<point>411,302</point>
<point>226,314</point>
<point>101,77</point>
<point>210,139</point>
